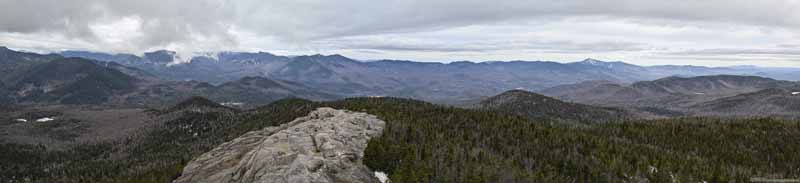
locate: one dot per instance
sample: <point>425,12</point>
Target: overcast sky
<point>646,32</point>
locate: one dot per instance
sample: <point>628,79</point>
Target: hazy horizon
<point>422,61</point>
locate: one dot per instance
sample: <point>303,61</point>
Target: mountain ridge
<point>438,82</point>
<point>340,76</point>
<point>715,95</point>
<point>35,79</point>
<point>70,81</point>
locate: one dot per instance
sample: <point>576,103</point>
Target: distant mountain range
<point>437,82</point>
<point>251,79</point>
<point>725,95</point>
<point>35,79</point>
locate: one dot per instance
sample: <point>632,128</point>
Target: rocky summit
<point>325,146</point>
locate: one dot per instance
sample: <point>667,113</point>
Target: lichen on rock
<point>325,146</point>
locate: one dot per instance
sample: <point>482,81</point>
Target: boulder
<point>324,147</point>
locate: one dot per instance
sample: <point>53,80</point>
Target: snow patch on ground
<point>653,169</point>
<point>795,93</point>
<point>382,177</point>
<point>21,120</point>
<point>232,103</point>
<point>698,93</point>
<point>45,119</point>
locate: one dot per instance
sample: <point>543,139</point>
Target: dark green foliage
<point>36,163</point>
<point>256,91</point>
<point>196,103</point>
<point>729,147</point>
<point>157,155</point>
<point>428,143</point>
<point>540,107</point>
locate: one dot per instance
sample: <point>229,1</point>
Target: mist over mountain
<point>440,82</point>
<point>251,79</point>
<point>35,79</point>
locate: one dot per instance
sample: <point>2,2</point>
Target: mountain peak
<point>592,61</point>
<point>162,52</point>
<point>534,105</point>
<point>517,92</point>
<point>461,63</point>
<point>320,57</point>
<point>608,64</point>
<point>7,50</point>
<point>196,103</point>
<point>515,95</point>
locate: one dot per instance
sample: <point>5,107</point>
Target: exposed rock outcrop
<point>324,147</point>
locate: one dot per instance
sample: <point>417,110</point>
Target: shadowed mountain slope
<point>69,81</point>
<point>719,94</point>
<point>536,106</point>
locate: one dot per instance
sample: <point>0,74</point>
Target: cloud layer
<point>644,31</point>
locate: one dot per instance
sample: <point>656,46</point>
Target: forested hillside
<point>540,107</point>
<point>429,143</point>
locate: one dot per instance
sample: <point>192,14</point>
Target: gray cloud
<point>789,46</point>
<point>168,20</point>
<point>765,52</point>
<point>747,60</point>
<point>316,19</point>
<point>160,22</point>
<point>484,46</point>
<point>208,25</point>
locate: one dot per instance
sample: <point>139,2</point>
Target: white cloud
<point>639,31</point>
<point>118,32</point>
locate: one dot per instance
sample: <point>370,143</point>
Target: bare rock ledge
<point>326,146</point>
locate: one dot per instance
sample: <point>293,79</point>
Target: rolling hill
<point>244,93</point>
<point>536,106</point>
<point>673,95</point>
<point>254,91</point>
<point>777,102</point>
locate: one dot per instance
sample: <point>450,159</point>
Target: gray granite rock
<point>324,147</point>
